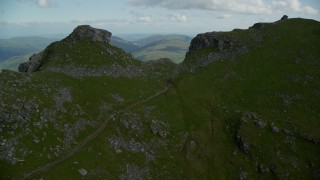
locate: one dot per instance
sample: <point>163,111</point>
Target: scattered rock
<point>259,123</point>
<point>242,176</point>
<point>113,70</point>
<point>82,172</point>
<point>63,96</point>
<point>310,139</point>
<point>193,145</point>
<point>274,128</point>
<point>117,98</point>
<point>263,169</point>
<point>287,131</point>
<point>36,141</point>
<point>132,122</point>
<point>134,172</point>
<point>243,145</point>
<point>250,116</point>
<point>160,128</point>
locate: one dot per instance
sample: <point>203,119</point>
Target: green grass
<point>277,79</point>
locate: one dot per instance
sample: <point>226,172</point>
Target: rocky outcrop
<point>222,46</point>
<point>258,26</point>
<point>285,17</point>
<point>88,32</point>
<point>218,40</point>
<point>33,64</point>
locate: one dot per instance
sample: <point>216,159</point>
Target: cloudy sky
<point>42,17</point>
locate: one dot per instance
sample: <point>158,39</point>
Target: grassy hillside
<point>21,46</point>
<point>262,107</point>
<point>80,86</point>
<point>93,111</point>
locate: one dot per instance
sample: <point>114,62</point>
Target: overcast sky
<point>40,17</point>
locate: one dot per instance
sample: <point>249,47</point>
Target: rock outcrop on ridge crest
<point>86,31</point>
<point>33,64</point>
<point>79,33</point>
<point>221,45</point>
<point>213,39</point>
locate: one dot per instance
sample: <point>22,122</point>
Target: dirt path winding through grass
<point>89,138</point>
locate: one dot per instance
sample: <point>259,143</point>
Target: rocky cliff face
<point>220,46</point>
<point>79,33</point>
<point>86,31</point>
<point>214,40</point>
<point>33,64</point>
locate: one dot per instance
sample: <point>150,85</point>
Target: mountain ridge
<point>243,104</point>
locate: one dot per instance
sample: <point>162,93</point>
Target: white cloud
<point>144,19</point>
<point>224,16</point>
<point>235,6</point>
<point>43,3</point>
<point>309,10</point>
<point>294,5</point>
<point>178,18</point>
<point>39,3</point>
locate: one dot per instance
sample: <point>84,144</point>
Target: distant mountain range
<point>154,47</point>
<point>16,50</point>
<point>21,46</point>
<point>143,47</point>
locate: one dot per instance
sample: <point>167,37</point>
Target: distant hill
<point>157,38</point>
<point>154,47</point>
<point>21,46</point>
<point>174,49</point>
<point>16,50</point>
<point>124,44</point>
<point>13,62</point>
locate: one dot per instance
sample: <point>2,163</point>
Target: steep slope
<point>258,92</point>
<point>72,88</point>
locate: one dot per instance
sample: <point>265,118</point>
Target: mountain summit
<point>82,32</point>
<point>88,32</point>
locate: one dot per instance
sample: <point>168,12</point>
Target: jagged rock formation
<point>213,39</point>
<point>86,31</point>
<point>222,46</point>
<point>33,64</point>
<point>258,26</point>
<point>285,17</point>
